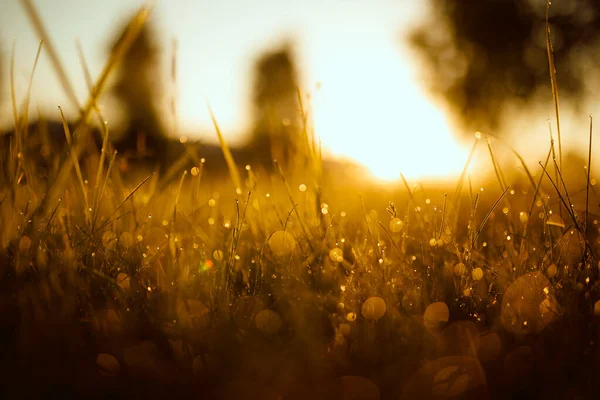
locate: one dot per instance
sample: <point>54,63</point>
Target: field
<point>290,280</point>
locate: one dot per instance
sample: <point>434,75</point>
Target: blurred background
<point>396,85</point>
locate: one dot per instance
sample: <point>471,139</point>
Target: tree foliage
<point>275,103</point>
<point>481,56</point>
<point>138,88</point>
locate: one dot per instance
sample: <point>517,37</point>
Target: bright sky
<point>369,108</point>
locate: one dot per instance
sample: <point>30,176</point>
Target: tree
<point>138,88</point>
<point>277,121</point>
<point>481,56</point>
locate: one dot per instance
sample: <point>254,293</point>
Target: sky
<point>370,106</point>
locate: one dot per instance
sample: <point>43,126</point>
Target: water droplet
<point>552,271</point>
<point>459,269</point>
<point>336,254</point>
<point>218,255</point>
<point>396,225</point>
<point>435,314</point>
<point>477,274</point>
<point>126,240</point>
<point>282,243</point>
<point>373,308</point>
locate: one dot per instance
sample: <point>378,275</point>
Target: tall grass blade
<point>552,67</point>
<point>233,171</point>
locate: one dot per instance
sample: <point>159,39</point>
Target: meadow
<point>290,280</point>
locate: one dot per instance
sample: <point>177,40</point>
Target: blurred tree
<point>482,56</point>
<point>277,131</point>
<point>138,87</point>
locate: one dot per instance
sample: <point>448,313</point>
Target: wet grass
<point>290,280</point>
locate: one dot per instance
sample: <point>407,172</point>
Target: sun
<point>369,108</point>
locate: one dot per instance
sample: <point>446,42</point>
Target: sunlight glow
<point>369,108</point>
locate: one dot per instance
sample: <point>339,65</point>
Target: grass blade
<point>235,176</point>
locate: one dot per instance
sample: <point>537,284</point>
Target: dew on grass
<point>523,217</point>
<point>521,311</point>
<point>302,187</point>
<point>436,314</point>
<point>351,317</point>
<point>552,271</point>
<point>460,269</point>
<point>268,321</point>
<point>108,365</point>
<point>218,255</point>
<point>432,242</point>
<point>282,243</point>
<point>477,274</point>
<point>396,225</point>
<point>548,309</point>
<point>373,308</point>
<point>336,254</point>
<point>126,240</point>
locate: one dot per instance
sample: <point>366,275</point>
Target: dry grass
<point>291,282</point>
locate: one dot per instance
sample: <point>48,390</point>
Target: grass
<point>290,280</point>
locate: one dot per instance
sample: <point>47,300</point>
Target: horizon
<point>367,80</point>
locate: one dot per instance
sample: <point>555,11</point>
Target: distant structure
<point>480,56</point>
<point>138,88</point>
<point>277,126</point>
